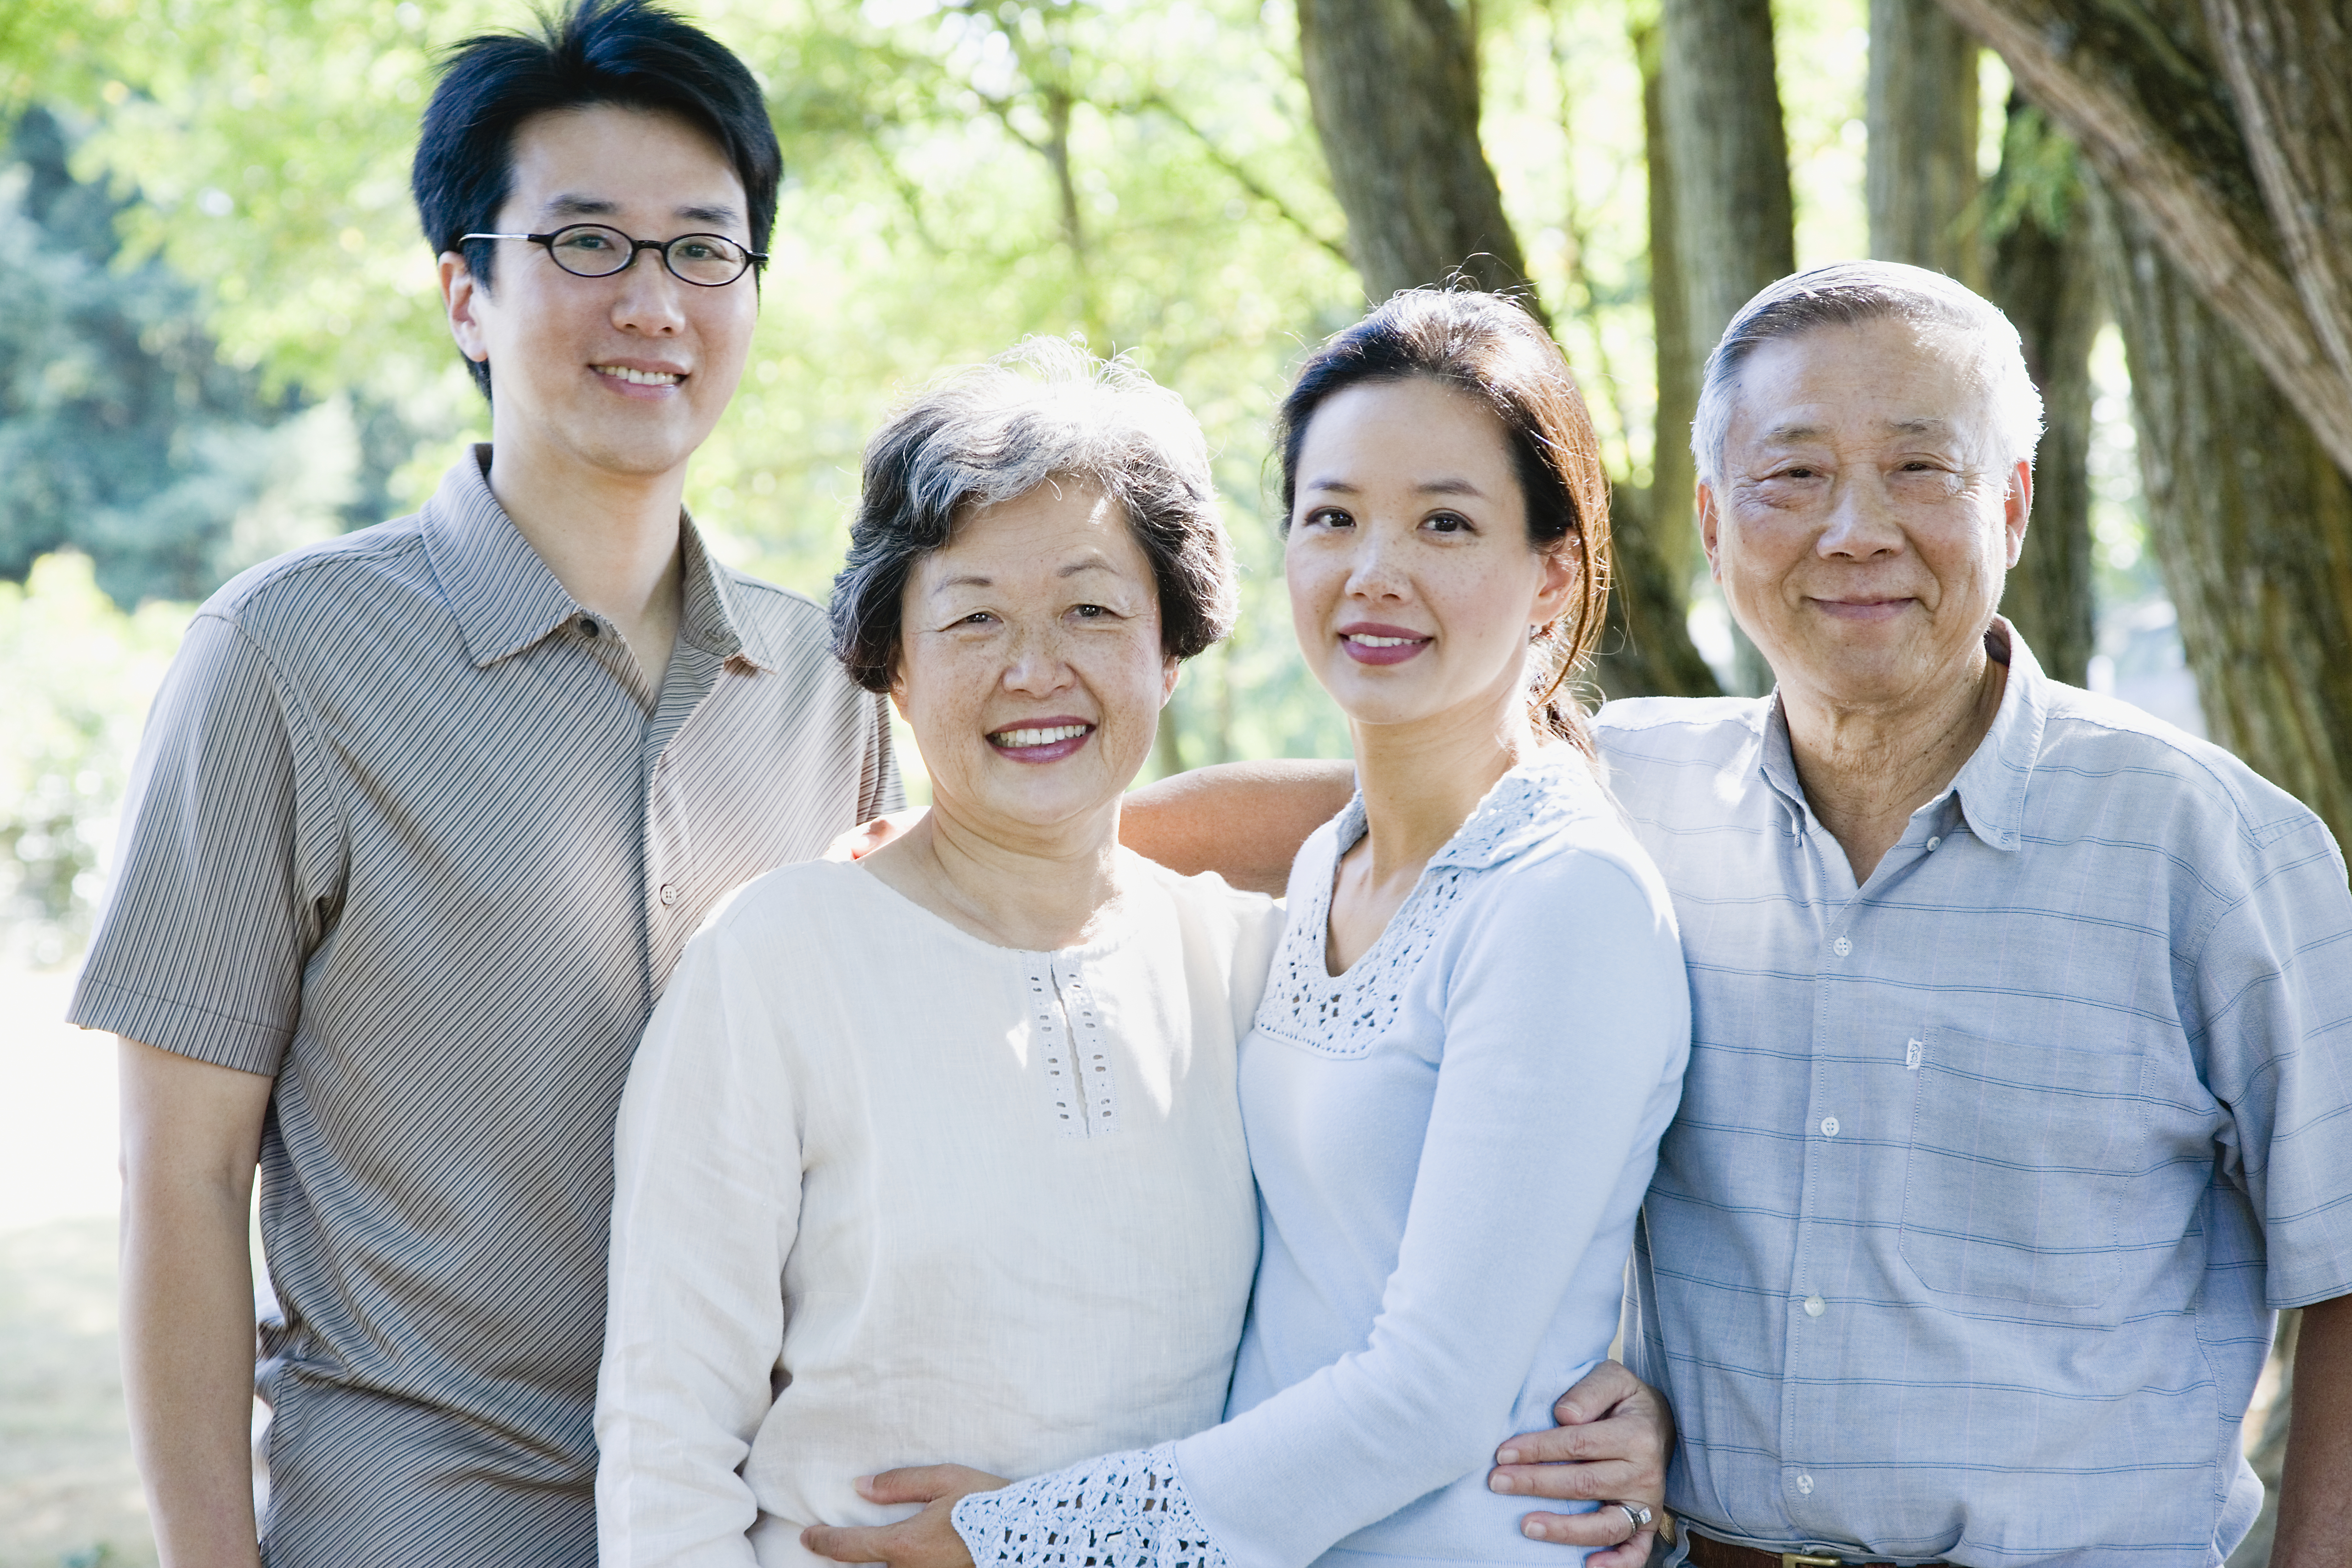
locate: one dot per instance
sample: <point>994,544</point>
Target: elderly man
<point>2021,1088</point>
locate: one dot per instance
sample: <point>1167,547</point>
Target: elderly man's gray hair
<point>1846,294</point>
<point>1044,411</point>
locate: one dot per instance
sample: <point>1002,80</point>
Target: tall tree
<point>2252,524</point>
<point>1651,652</point>
<point>2228,128</point>
<point>1393,85</point>
<point>1394,88</point>
<point>1727,146</point>
<point>2044,275</point>
<point>1676,358</point>
<point>1921,109</point>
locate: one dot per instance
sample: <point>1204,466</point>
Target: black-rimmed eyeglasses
<point>594,250</point>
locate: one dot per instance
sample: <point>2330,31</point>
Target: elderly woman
<point>940,1151</point>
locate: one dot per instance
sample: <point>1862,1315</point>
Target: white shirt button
<point>1815,1306</point>
<point>1805,1483</point>
<point>1935,843</point>
<point>1841,947</point>
<point>668,894</point>
<point>1828,1126</point>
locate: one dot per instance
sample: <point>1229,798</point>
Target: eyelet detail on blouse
<point>1070,1038</point>
<point>1342,1016</point>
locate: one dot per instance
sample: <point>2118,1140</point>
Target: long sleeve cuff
<point>1121,1511</point>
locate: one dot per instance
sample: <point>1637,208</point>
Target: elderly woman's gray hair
<point>1847,294</point>
<point>1044,411</point>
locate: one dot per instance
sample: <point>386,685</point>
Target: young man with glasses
<point>423,817</point>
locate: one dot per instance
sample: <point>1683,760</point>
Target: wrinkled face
<point>625,374</point>
<point>1413,585</point>
<point>1864,517</point>
<point>1029,662</point>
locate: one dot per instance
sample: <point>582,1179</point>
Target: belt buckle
<point>1807,1560</point>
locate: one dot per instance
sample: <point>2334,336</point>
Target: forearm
<point>2314,1516</point>
<point>187,1365</point>
<point>1243,820</point>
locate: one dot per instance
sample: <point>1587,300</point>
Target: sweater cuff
<point>1121,1511</point>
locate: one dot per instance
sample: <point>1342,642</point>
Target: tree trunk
<point>1921,180</point>
<point>2045,277</point>
<point>1646,650</point>
<point>2289,66</point>
<point>2237,157</point>
<point>2267,1453</point>
<point>1734,222</point>
<point>1673,514</point>
<point>2251,525</point>
<point>1393,87</point>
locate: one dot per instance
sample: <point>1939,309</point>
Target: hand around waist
<point>925,1540</point>
<point>1610,1447</point>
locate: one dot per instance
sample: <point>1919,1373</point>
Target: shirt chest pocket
<point>2019,1161</point>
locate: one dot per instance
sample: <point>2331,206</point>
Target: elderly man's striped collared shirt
<point>411,833</point>
<point>1988,1173</point>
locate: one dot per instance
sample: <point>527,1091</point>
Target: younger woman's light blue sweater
<point>1450,1142</point>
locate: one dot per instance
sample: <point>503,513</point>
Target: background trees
<point>1211,184</point>
<point>2224,131</point>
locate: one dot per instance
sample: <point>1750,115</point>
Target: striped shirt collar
<point>506,599</point>
<point>1991,786</point>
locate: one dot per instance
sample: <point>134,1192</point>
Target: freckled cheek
<point>947,686</point>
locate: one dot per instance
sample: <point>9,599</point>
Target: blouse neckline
<point>1123,929</point>
<point>1343,1015</point>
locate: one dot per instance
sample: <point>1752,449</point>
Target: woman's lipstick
<point>1369,642</point>
<point>1041,739</point>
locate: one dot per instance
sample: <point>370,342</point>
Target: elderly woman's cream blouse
<point>886,1195</point>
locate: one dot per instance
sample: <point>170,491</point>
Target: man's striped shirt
<point>1988,1173</point>
<point>410,833</point>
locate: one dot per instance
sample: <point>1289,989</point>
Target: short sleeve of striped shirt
<point>224,863</point>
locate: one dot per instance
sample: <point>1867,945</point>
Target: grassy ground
<point>69,1493</point>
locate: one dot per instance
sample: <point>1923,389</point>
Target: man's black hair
<point>629,53</point>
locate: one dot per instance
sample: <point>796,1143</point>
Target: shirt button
<point>588,626</point>
<point>1815,1306</point>
<point>669,893</point>
<point>1935,843</point>
<point>1805,1483</point>
<point>1828,1126</point>
<point>1841,947</point>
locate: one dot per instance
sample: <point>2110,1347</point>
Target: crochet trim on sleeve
<point>1122,1511</point>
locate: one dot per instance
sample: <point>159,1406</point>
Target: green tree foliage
<point>80,675</point>
<point>959,174</point>
<point>119,431</point>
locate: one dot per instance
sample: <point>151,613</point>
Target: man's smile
<point>635,376</point>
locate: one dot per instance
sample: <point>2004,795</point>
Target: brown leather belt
<point>1709,1552</point>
